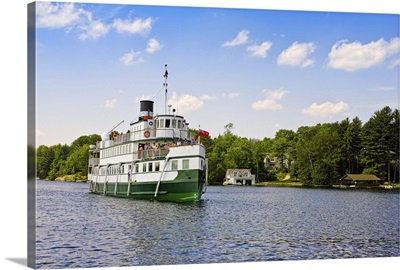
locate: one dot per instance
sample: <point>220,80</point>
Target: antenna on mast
<point>166,88</point>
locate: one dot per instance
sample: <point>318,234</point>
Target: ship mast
<point>166,88</point>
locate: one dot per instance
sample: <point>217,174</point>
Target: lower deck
<point>182,191</point>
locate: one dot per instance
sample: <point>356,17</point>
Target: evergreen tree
<point>377,143</point>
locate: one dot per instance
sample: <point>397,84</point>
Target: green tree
<point>259,150</point>
<point>318,154</point>
<point>329,156</point>
<point>85,139</point>
<point>378,143</point>
<point>45,156</point>
<point>57,167</point>
<point>352,144</point>
<point>239,154</point>
<point>217,157</point>
<point>283,147</point>
<point>77,161</point>
<point>394,145</point>
<point>305,153</point>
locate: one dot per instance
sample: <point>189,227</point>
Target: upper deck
<point>147,135</point>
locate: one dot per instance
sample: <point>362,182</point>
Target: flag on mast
<point>203,133</point>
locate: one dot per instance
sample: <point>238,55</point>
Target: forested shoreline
<point>313,155</point>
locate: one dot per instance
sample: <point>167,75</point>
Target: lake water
<point>230,224</point>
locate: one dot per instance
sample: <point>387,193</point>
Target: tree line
<point>61,160</point>
<point>313,155</point>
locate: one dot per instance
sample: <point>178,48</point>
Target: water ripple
<point>232,224</point>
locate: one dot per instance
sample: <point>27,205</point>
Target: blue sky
<point>262,70</point>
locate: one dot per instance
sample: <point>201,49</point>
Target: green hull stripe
<point>149,193</point>
<point>185,187</point>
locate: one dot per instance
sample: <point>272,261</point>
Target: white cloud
<point>230,95</point>
<point>241,38</point>
<point>93,30</point>
<point>131,58</point>
<point>153,45</point>
<point>137,26</point>
<point>40,133</point>
<point>111,103</point>
<point>71,17</point>
<point>354,56</point>
<point>271,100</point>
<point>185,103</point>
<point>297,55</point>
<point>326,109</point>
<point>208,97</point>
<point>56,15</point>
<point>260,50</point>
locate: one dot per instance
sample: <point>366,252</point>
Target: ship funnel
<point>146,109</point>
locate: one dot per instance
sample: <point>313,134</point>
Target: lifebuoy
<point>147,133</point>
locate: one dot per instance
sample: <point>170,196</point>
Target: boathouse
<point>239,177</point>
<point>360,180</point>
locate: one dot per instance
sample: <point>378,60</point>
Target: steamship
<point>158,158</point>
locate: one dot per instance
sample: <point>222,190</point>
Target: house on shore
<point>359,180</point>
<point>274,163</point>
<point>239,177</point>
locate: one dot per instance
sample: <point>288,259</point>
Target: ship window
<point>167,123</point>
<point>144,167</point>
<point>185,164</point>
<point>150,166</point>
<point>173,123</point>
<point>137,168</point>
<point>174,165</point>
<point>179,123</point>
<point>161,123</point>
<point>157,166</point>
